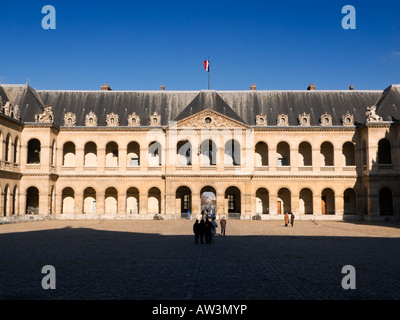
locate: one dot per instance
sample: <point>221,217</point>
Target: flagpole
<point>209,73</point>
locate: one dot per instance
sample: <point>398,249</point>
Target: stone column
<point>294,159</point>
<point>143,202</point>
<point>316,158</point>
<point>220,207</point>
<point>339,204</point>
<point>122,158</point>
<point>121,209</point>
<point>100,203</point>
<point>79,159</point>
<point>196,204</point>
<point>143,161</point>
<point>78,200</point>
<point>101,160</point>
<point>317,204</point>
<point>273,208</point>
<point>338,159</point>
<point>294,203</point>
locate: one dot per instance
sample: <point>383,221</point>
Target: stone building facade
<point>241,154</point>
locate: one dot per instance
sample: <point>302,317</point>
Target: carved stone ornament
<point>8,109</point>
<point>304,119</point>
<point>46,116</point>
<point>91,119</point>
<point>133,120</point>
<point>112,120</point>
<point>371,115</point>
<point>282,120</point>
<point>69,119</point>
<point>326,120</point>
<point>17,113</point>
<point>261,119</point>
<point>155,119</point>
<point>348,119</point>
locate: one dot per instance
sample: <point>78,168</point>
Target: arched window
<point>8,148</point>
<point>53,153</point>
<point>208,200</point>
<point>16,150</point>
<point>6,200</point>
<point>349,153</point>
<point>284,201</point>
<point>184,203</point>
<point>327,154</point>
<point>32,201</point>
<point>305,152</point>
<point>89,201</point>
<point>111,201</point>
<point>90,155</point>
<point>154,201</point>
<point>283,154</point>
<point>208,151</point>
<point>262,201</point>
<point>232,152</point>
<point>33,151</point>
<point>261,156</point>
<point>132,201</point>
<point>69,154</point>
<point>112,154</point>
<point>154,154</point>
<point>184,152</point>
<point>68,200</point>
<point>133,154</point>
<point>384,152</point>
<point>233,201</point>
<point>306,201</point>
<point>328,201</point>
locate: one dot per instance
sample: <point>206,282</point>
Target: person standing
<point>202,230</point>
<point>223,225</point>
<point>291,218</point>
<point>208,228</point>
<point>215,226</point>
<point>286,218</point>
<point>196,231</point>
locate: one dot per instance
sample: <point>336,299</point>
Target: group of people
<point>287,219</point>
<point>205,230</point>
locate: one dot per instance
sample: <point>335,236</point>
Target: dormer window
<point>282,120</point>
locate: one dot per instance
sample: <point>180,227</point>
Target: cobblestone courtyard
<point>158,260</point>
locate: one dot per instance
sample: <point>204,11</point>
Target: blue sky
<point>139,45</point>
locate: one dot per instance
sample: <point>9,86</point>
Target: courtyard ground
<point>147,260</point>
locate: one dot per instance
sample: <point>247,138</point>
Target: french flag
<point>207,65</point>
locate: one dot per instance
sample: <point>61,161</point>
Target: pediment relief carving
<point>209,119</point>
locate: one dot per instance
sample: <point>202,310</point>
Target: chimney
<point>105,87</point>
<point>253,87</point>
<point>162,87</point>
<point>351,87</point>
<point>311,87</point>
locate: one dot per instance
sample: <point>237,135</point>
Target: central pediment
<point>209,110</point>
<point>208,119</point>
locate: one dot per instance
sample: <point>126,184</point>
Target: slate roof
<point>389,104</point>
<point>242,106</point>
<point>25,97</point>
